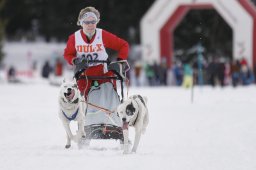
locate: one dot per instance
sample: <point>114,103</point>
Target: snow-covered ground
<point>215,132</point>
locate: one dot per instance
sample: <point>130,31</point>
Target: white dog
<point>133,112</point>
<point>72,108</point>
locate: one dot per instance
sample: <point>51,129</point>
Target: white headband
<point>89,14</point>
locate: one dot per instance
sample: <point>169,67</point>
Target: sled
<point>102,120</point>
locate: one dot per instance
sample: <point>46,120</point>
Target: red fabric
<point>243,62</point>
<point>85,85</point>
<point>58,69</point>
<point>110,41</point>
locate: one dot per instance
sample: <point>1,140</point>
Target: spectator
<point>188,76</point>
<point>11,75</point>
<point>178,72</point>
<point>247,76</point>
<point>235,72</point>
<point>221,71</point>
<point>163,73</point>
<point>46,70</point>
<point>212,72</point>
<point>150,74</point>
<point>156,69</point>
<point>58,68</point>
<point>137,73</point>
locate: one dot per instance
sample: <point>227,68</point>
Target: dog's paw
<point>133,150</point>
<point>83,143</point>
<point>126,152</point>
<point>76,138</point>
<point>67,146</point>
<point>126,148</point>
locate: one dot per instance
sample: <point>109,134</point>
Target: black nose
<point>69,89</point>
<point>124,119</point>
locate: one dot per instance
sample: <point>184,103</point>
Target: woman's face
<point>89,25</point>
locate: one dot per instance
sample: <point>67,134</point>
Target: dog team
<point>133,112</point>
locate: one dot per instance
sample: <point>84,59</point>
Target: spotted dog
<point>134,113</point>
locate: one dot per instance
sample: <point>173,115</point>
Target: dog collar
<point>72,117</point>
<point>135,120</point>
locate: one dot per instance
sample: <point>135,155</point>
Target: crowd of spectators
<point>214,72</point>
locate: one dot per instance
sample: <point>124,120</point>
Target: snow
<point>215,132</point>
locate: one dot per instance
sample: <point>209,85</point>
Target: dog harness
<point>72,117</point>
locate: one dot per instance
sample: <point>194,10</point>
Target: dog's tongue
<point>125,125</point>
<point>70,96</point>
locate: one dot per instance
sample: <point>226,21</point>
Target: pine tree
<point>2,29</point>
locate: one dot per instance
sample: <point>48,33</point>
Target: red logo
<point>89,48</point>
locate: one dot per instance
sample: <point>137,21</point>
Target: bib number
<point>91,57</point>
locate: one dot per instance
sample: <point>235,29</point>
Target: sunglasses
<point>89,22</point>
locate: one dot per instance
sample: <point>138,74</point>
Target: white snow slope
<point>215,132</point>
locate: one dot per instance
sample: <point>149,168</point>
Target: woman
<point>92,42</point>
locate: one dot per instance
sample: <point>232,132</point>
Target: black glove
<point>81,65</point>
<point>118,69</point>
<point>77,60</point>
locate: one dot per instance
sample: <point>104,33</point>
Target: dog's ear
<point>132,97</point>
<point>145,99</point>
<point>74,81</point>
